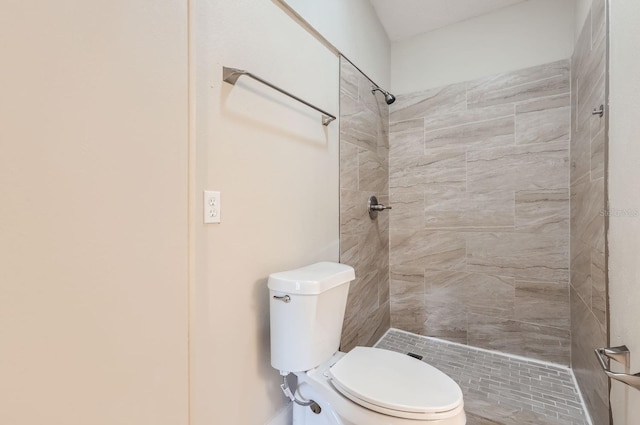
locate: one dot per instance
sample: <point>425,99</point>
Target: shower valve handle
<point>374,207</point>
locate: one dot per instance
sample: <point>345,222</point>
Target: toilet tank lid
<point>313,279</point>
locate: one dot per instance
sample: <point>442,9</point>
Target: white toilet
<point>366,386</point>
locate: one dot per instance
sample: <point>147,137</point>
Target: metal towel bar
<point>231,75</point>
<point>622,355</point>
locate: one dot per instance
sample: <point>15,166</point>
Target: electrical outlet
<point>211,206</point>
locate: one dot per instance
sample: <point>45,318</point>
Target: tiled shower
<point>496,236</point>
<point>479,240</point>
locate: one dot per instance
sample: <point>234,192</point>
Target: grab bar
<point>231,75</point>
<point>622,355</point>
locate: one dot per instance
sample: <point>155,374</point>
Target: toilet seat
<point>396,384</point>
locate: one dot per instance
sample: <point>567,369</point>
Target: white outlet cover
<point>211,206</point>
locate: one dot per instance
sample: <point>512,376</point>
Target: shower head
<point>388,97</point>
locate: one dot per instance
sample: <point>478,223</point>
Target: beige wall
<point>354,29</point>
<point>277,169</point>
<point>93,217</point>
<point>624,231</point>
<point>527,34</point>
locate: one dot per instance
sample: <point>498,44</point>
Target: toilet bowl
<point>366,386</point>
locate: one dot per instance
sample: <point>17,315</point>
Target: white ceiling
<point>406,18</point>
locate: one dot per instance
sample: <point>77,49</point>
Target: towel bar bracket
<point>621,355</point>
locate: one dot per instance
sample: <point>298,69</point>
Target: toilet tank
<point>307,310</point>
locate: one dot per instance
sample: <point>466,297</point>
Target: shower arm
<point>231,75</point>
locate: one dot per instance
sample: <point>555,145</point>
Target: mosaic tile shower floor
<point>498,389</point>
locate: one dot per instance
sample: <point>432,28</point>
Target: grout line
<point>579,391</point>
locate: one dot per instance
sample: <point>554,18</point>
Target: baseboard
<point>283,417</point>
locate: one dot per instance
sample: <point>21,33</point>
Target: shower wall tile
<point>439,168</point>
<point>349,252</point>
<point>445,322</point>
<point>587,335</point>
<point>348,80</point>
<point>497,132</point>
<point>589,97</point>
<point>589,75</point>
<point>581,270</point>
<point>435,249</point>
<point>481,200</point>
<point>540,81</point>
<point>364,171</point>
<point>357,124</point>
<point>580,152</point>
<point>373,172</point>
<point>599,287</point>
<point>543,165</point>
<point>582,49</point>
<point>367,98</point>
<point>542,211</point>
<point>406,138</point>
<point>353,204</point>
<point>540,257</point>
<point>371,246</point>
<point>384,288</point>
<point>407,281</point>
<point>439,101</point>
<point>408,210</point>
<point>467,116</point>
<point>544,120</point>
<point>471,292</point>
<point>409,313</point>
<point>588,284</point>
<point>469,210</point>
<point>524,339</point>
<point>542,303</point>
<point>366,291</point>
<point>348,166</point>
<point>597,155</point>
<point>598,21</point>
<point>378,324</point>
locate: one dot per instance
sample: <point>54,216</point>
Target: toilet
<point>366,386</point>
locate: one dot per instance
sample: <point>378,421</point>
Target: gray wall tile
<point>438,168</point>
<point>441,100</point>
<point>406,138</point>
<point>544,120</point>
<point>469,210</point>
<point>540,257</point>
<point>544,165</point>
<point>542,211</point>
<point>494,176</point>
<point>588,271</point>
<point>519,338</point>
<point>435,249</point>
<point>364,171</point>
<point>542,303</point>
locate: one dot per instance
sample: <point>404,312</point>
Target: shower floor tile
<point>498,389</point>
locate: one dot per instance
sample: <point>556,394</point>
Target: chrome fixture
<point>374,207</point>
<point>388,97</point>
<point>285,298</point>
<point>621,355</point>
<point>599,111</point>
<point>231,75</point>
